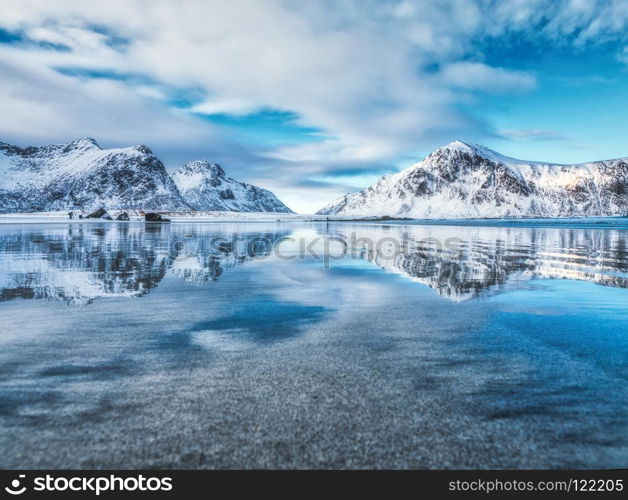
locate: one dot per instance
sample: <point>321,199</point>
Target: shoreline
<point>611,222</point>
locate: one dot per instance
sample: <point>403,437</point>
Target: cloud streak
<point>533,134</point>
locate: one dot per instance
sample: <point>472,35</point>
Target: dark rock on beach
<point>101,213</point>
<point>153,217</point>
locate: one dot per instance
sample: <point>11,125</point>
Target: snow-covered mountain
<point>83,175</point>
<point>465,181</point>
<point>204,186</point>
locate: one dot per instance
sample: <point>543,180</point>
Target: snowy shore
<point>136,216</point>
<point>189,216</point>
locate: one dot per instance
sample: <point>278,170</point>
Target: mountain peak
<point>470,147</point>
<point>142,148</point>
<point>479,150</point>
<point>458,144</point>
<point>204,167</point>
<point>84,143</point>
<point>205,186</point>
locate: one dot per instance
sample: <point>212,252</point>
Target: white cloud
<point>361,71</point>
<point>479,76</point>
<point>342,68</point>
<point>232,106</point>
<point>71,37</point>
<point>39,104</point>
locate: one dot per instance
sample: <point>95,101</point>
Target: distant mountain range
<point>455,181</point>
<point>470,181</point>
<point>83,176</point>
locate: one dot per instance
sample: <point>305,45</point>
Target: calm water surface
<point>313,345</point>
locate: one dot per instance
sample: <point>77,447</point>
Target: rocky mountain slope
<point>465,181</point>
<point>205,186</point>
<point>83,176</point>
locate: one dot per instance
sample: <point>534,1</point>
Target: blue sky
<point>315,99</point>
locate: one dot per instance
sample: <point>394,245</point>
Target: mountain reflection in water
<point>466,262</point>
<point>79,263</point>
